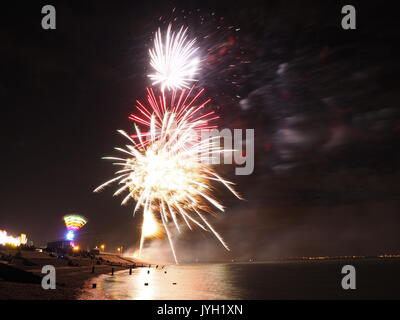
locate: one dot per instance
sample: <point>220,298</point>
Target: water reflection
<point>208,281</point>
<point>270,280</point>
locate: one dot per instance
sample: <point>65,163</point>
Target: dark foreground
<point>375,279</point>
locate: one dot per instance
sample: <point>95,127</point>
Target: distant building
<point>95,251</point>
<point>59,246</point>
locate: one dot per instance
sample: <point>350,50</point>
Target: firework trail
<point>165,169</point>
<point>173,60</point>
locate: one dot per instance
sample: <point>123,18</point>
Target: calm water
<point>283,280</point>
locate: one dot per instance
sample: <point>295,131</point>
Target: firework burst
<point>173,59</point>
<point>165,169</point>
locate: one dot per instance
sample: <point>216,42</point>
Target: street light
<point>102,247</point>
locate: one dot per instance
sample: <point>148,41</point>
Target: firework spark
<point>164,169</point>
<point>173,59</point>
<point>184,103</point>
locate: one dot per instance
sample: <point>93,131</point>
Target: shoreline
<point>21,277</point>
<point>87,292</point>
<point>70,282</point>
<point>75,282</point>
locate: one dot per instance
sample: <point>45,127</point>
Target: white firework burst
<point>174,59</point>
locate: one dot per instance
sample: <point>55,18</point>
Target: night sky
<point>324,103</point>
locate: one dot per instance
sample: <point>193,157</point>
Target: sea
<point>375,278</point>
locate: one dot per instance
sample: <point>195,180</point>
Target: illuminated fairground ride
<point>74,223</point>
<point>7,240</point>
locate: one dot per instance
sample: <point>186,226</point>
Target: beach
<point>116,277</point>
<point>21,277</point>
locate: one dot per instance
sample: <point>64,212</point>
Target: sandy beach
<point>20,278</point>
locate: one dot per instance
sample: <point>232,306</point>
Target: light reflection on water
<point>270,280</point>
<point>200,281</point>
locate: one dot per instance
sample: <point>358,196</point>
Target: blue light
<point>70,236</point>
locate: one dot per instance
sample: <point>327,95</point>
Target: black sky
<point>324,103</point>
